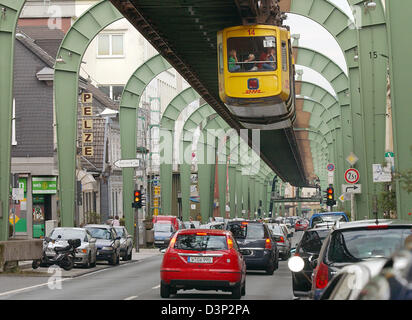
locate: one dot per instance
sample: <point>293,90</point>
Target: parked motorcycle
<point>64,257</point>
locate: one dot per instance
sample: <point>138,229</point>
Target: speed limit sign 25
<point>351,176</point>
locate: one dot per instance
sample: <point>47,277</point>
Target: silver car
<point>85,254</point>
<point>126,243</point>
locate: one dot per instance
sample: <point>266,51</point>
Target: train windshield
<point>252,54</point>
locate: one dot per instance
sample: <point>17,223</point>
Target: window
<point>110,45</point>
<point>252,54</point>
<point>201,242</point>
<point>114,92</point>
<point>284,57</point>
<point>220,58</point>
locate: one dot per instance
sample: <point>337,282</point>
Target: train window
<point>284,57</point>
<point>252,54</point>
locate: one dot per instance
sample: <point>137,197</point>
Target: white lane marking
<point>131,298</point>
<point>28,288</point>
<point>157,287</point>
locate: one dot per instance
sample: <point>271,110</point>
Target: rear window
<point>275,228</point>
<point>247,230</point>
<point>312,241</point>
<point>360,244</point>
<point>327,218</point>
<point>201,242</point>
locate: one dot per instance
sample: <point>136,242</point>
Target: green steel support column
<point>9,14</point>
<point>373,63</point>
<point>185,173</point>
<point>66,76</point>
<point>245,194</point>
<point>129,104</point>
<point>240,196</point>
<point>221,169</point>
<point>398,17</point>
<point>337,23</point>
<point>232,190</point>
<point>167,125</point>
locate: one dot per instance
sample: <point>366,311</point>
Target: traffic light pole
<point>136,229</point>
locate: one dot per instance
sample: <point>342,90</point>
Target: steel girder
<point>167,129</point>
<point>362,44</point>
<point>66,75</point>
<point>9,14</point>
<point>128,112</point>
<point>398,15</point>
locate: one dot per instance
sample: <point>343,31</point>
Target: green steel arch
<point>8,21</point>
<point>66,75</point>
<point>364,44</point>
<point>129,104</point>
<point>167,127</point>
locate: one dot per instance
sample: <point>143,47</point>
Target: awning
<point>89,184</point>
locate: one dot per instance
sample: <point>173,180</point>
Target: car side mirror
<point>313,260</point>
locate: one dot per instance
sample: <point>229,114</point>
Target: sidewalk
<point>27,270</point>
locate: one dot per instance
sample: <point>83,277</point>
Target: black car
<point>256,237</point>
<point>308,248</point>
<point>351,242</point>
<point>107,242</point>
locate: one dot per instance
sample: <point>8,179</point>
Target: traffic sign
<point>381,174</point>
<point>330,167</point>
<point>352,176</point>
<point>127,163</point>
<point>352,158</point>
<point>344,197</point>
<point>351,188</point>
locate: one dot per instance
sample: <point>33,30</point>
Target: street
<point>136,280</point>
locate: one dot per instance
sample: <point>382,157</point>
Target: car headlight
<point>107,248</point>
<point>81,250</point>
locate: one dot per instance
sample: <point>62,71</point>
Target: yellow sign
<point>87,97</point>
<point>156,203</point>
<point>87,137</point>
<point>156,211</point>
<point>157,191</point>
<point>87,124</point>
<point>16,219</point>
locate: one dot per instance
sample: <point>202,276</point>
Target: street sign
<point>381,174</point>
<point>127,163</point>
<point>18,194</point>
<point>330,167</point>
<point>352,158</point>
<point>351,188</point>
<point>344,197</point>
<point>352,176</point>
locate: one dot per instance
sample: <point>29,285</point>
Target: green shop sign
<point>44,185</point>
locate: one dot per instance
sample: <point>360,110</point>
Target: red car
<point>203,259</point>
<point>301,225</point>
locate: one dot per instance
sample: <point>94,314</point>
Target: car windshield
<point>66,234</point>
<point>247,230</point>
<point>312,240</point>
<point>356,245</point>
<point>199,242</point>
<point>275,228</point>
<point>120,232</point>
<point>163,227</point>
<point>327,218</point>
<point>100,233</point>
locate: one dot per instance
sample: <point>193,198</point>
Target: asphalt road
<point>138,280</point>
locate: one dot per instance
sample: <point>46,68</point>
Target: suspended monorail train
<point>256,75</point>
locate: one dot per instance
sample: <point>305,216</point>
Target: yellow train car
<point>256,75</point>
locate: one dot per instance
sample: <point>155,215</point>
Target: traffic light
<point>137,202</point>
<point>330,197</point>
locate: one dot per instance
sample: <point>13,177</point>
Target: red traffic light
<point>137,195</point>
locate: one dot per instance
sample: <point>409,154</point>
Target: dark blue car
<point>327,217</point>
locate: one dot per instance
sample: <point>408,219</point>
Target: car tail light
<point>201,234</point>
<point>253,84</point>
<point>268,244</point>
<point>378,227</point>
<point>172,242</point>
<point>281,239</point>
<point>322,276</point>
<point>229,243</point>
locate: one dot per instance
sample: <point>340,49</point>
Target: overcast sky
<point>314,36</point>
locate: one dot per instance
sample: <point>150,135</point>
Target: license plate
<point>200,259</point>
